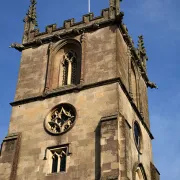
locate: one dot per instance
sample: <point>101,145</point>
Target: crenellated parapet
<point>70,27</point>
<point>109,16</point>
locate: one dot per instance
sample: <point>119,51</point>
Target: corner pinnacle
<point>141,47</point>
<point>31,15</point>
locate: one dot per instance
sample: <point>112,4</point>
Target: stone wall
<point>123,61</point>
<point>98,63</point>
<point>32,73</point>
<point>104,56</point>
<point>109,149</point>
<point>91,105</point>
<point>130,152</point>
<point>144,101</point>
<point>123,71</point>
<point>91,140</point>
<point>100,149</point>
<point>9,156</point>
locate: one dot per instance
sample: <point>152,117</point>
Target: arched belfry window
<point>139,173</point>
<point>64,65</point>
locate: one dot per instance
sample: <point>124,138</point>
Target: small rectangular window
<point>58,158</point>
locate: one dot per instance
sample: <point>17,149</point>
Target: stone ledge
<point>70,29</point>
<point>81,87</point>
<point>11,137</point>
<point>109,118</point>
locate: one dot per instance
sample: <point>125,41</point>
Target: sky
<point>157,20</point>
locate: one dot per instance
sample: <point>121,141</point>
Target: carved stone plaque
<point>60,119</point>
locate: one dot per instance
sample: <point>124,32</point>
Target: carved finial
<point>141,47</point>
<point>31,14</point>
<point>114,7</point>
<point>142,51</point>
<point>30,21</point>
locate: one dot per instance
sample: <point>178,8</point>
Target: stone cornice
<point>109,118</point>
<point>81,87</point>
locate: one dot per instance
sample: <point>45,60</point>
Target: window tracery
<point>58,157</point>
<point>139,174</point>
<point>69,67</point>
<point>60,119</point>
<point>64,66</point>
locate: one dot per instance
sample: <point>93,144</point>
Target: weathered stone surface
<point>155,175</point>
<point>81,137</point>
<point>101,142</point>
<point>32,73</point>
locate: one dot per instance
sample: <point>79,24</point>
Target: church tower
<point>81,108</point>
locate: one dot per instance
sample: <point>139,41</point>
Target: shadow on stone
<point>97,153</point>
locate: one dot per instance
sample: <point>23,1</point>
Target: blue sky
<point>157,20</point>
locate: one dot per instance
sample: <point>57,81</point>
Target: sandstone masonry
<point>109,96</point>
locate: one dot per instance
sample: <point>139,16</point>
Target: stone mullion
<point>69,78</point>
<point>74,72</point>
<point>65,73</point>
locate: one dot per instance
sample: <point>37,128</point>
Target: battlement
<point>33,37</point>
<point>109,16</point>
<point>89,22</point>
<point>72,28</point>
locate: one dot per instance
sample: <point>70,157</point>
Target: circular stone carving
<point>60,119</point>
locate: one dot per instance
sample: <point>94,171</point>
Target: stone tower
<point>81,108</point>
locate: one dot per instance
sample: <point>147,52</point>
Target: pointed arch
<point>64,67</point>
<point>139,172</point>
